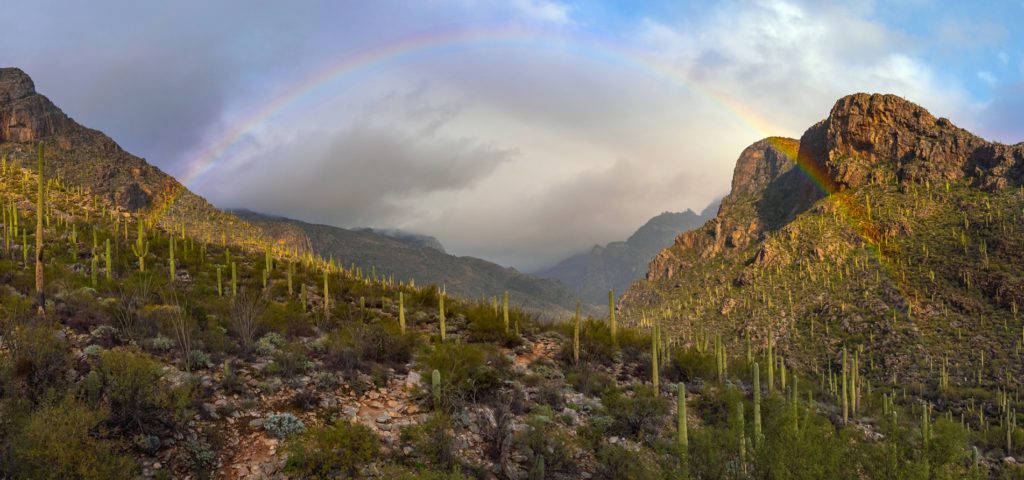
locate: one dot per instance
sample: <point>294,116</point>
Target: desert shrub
<point>358,346</point>
<point>269,343</point>
<point>470,373</point>
<point>486,326</point>
<point>283,425</point>
<point>133,389</point>
<point>615,462</point>
<point>685,364</point>
<point>198,359</point>
<point>290,360</point>
<point>331,451</point>
<point>544,438</point>
<point>159,343</point>
<point>587,379</point>
<point>431,441</point>
<point>550,393</point>
<point>286,318</point>
<point>57,442</point>
<point>639,416</point>
<point>36,362</point>
<point>200,457</point>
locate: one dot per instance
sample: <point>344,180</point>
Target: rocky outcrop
<point>872,138</point>
<point>767,191</point>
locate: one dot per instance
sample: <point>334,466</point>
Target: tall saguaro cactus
<point>846,402</point>
<point>141,247</point>
<point>504,309</point>
<point>757,404</point>
<point>440,307</point>
<point>684,439</point>
<point>40,207</point>
<point>654,357</point>
<point>171,263</point>
<point>401,312</point>
<point>108,262</point>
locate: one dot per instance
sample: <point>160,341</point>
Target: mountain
<point>883,228</point>
<point>618,264</point>
<point>468,277</point>
<point>414,239</point>
<point>127,184</point>
<point>89,159</point>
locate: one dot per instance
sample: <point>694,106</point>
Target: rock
<point>256,423</point>
<point>413,379</point>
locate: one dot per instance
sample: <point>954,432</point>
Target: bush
<point>134,391</point>
<point>485,326</point>
<point>283,425</point>
<point>545,439</point>
<point>616,462</point>
<point>640,416</point>
<point>36,363</point>
<point>470,373</point>
<point>290,360</point>
<point>330,451</point>
<point>56,442</point>
<point>431,441</point>
<point>358,346</point>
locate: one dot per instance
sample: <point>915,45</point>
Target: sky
<point>519,131</point>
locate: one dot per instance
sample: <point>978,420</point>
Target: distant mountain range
<point>89,159</point>
<point>618,264</point>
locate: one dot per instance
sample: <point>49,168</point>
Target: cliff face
<point>874,138</point>
<point>766,192</point>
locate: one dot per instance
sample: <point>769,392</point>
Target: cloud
<point>543,10</point>
<point>369,173</point>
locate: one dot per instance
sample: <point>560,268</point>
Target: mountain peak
<point>15,84</point>
<point>876,138</point>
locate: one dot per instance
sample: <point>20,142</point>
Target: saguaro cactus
<point>401,312</point>
<point>435,384</point>
<point>40,206</point>
<point>220,283</point>
<point>654,357</point>
<point>234,280</point>
<point>504,309</point>
<point>757,404</point>
<point>141,247</point>
<point>440,306</point>
<point>108,262</point>
<point>171,264</point>
<point>683,440</point>
<point>846,402</point>
<point>327,297</point>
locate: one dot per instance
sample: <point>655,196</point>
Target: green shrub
<point>615,462</point>
<point>431,441</point>
<point>544,438</point>
<point>330,451</point>
<point>290,360</point>
<point>470,373</point>
<point>640,416</point>
<point>36,363</point>
<point>57,442</point>
<point>485,326</point>
<point>136,396</point>
<point>359,346</point>
<point>283,425</point>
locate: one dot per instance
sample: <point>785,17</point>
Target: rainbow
<point>440,42</point>
<point>448,41</point>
